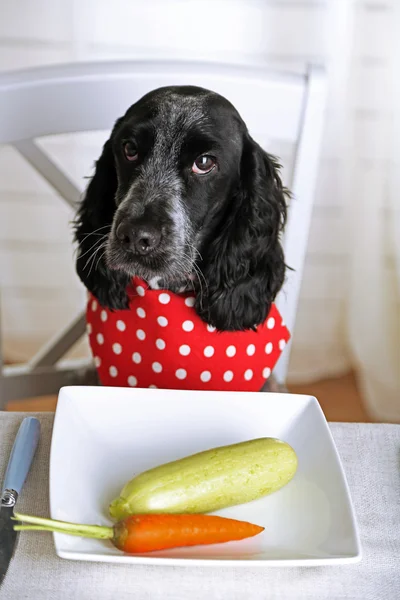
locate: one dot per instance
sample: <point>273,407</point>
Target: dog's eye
<point>130,151</point>
<point>204,164</point>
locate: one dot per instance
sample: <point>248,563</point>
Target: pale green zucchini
<point>209,480</point>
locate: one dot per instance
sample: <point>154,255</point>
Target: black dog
<point>183,197</point>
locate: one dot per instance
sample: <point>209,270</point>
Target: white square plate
<point>104,436</point>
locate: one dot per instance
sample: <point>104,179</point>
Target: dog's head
<point>182,193</point>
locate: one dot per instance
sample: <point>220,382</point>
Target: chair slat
<point>56,348</point>
<point>90,97</point>
<point>49,170</point>
<point>299,219</point>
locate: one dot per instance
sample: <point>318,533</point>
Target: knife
<point>19,463</point>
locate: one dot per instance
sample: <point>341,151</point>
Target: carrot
<point>150,532</point>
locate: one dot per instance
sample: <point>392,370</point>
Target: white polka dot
<point>282,344</point>
<point>160,344</point>
<point>89,328</point>
<point>268,348</point>
<point>188,326</point>
<point>184,350</point>
<point>153,387</point>
<point>140,290</point>
<point>103,316</point>
<point>190,301</point>
<point>157,367</point>
<point>266,372</point>
<point>162,321</point>
<point>208,351</point>
<point>132,381</point>
<point>164,298</point>
<point>117,348</point>
<point>113,371</point>
<point>271,323</point>
<point>140,334</point>
<point>100,338</point>
<point>94,305</point>
<point>121,325</point>
<point>136,357</point>
<point>248,374</point>
<point>228,376</point>
<point>205,376</point>
<point>210,328</point>
<point>181,374</point>
<point>97,362</point>
<point>250,349</point>
<point>231,351</point>
<point>141,313</point>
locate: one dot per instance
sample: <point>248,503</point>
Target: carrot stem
<point>48,529</point>
<point>42,524</point>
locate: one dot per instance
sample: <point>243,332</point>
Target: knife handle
<point>22,454</point>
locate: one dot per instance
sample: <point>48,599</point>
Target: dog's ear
<point>92,226</point>
<point>243,265</point>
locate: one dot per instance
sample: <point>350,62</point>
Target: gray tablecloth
<point>371,456</point>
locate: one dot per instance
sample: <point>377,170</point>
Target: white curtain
<point>371,197</point>
<point>349,311</point>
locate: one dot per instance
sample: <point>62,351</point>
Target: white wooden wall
<point>39,289</point>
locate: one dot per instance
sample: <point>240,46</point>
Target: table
<point>371,457</point>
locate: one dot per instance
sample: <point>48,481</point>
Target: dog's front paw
<point>112,293</point>
<point>108,287</point>
<point>231,310</point>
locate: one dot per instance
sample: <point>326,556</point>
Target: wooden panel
<point>22,53</point>
<point>48,20</point>
<point>37,269</point>
<point>39,318</point>
<point>251,27</point>
<point>28,219</point>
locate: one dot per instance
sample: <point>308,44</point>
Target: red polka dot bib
<point>160,341</point>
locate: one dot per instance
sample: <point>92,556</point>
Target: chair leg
<point>272,385</point>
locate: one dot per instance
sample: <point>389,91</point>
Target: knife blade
<point>19,463</point>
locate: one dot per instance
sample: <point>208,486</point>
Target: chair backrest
<point>89,97</point>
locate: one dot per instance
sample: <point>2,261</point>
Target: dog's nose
<point>142,239</point>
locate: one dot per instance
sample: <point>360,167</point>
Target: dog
<point>186,201</point>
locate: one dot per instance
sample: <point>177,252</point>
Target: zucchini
<point>210,480</point>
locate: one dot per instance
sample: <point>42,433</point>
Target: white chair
<point>89,97</point>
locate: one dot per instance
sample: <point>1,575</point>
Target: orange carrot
<point>150,532</point>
